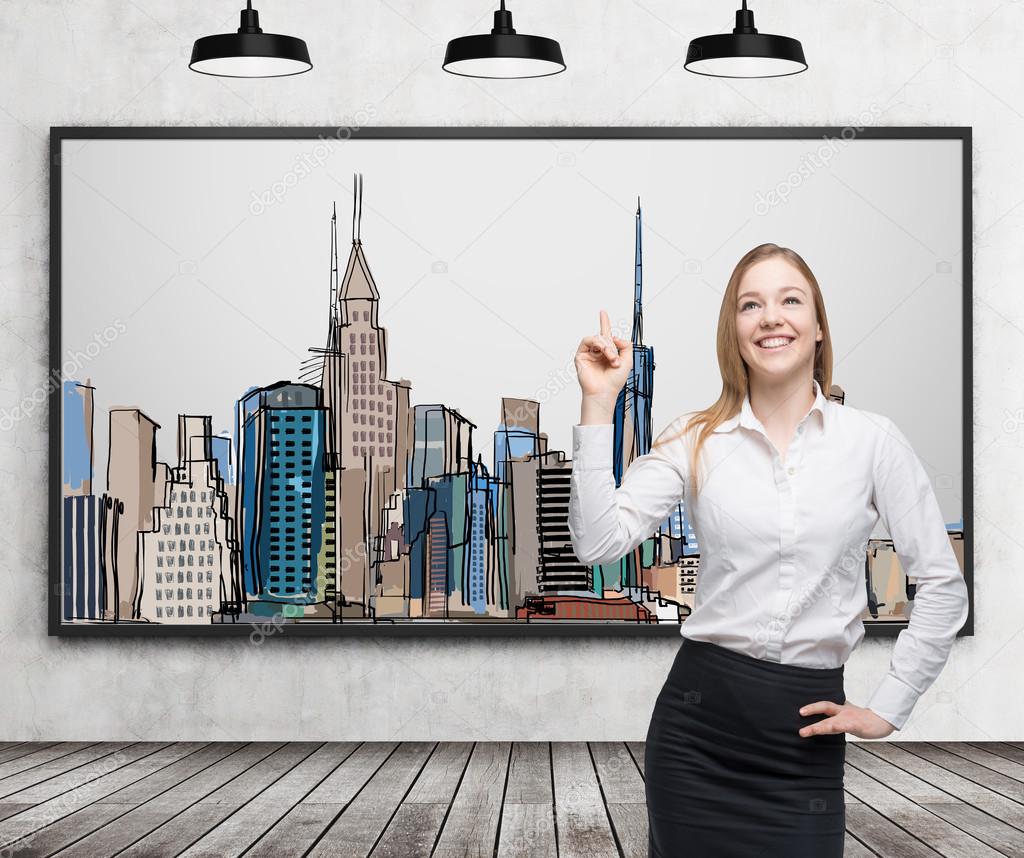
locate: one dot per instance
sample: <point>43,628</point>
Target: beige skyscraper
<point>368,432</point>
<point>135,484</point>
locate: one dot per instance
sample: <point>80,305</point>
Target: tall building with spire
<point>632,437</point>
<point>368,425</point>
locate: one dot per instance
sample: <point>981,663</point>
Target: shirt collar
<point>747,418</point>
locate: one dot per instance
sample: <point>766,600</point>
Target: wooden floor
<point>407,799</point>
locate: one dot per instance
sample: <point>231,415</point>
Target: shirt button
<point>792,470</point>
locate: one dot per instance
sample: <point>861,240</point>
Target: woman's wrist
<point>595,410</point>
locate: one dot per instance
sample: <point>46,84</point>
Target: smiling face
<point>775,307</point>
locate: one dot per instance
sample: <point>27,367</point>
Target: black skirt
<point>727,773</point>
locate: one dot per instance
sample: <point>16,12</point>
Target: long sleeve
<point>606,522</point>
<point>905,500</point>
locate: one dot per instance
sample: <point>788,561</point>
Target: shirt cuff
<point>592,446</point>
<point>893,700</point>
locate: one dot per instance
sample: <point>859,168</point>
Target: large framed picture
<point>321,380</point>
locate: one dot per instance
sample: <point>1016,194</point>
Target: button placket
<point>780,618</point>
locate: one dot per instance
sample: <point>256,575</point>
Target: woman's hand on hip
<point>845,718</point>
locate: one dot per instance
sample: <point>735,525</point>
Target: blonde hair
<point>734,371</point>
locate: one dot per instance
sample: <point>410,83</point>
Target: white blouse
<point>783,542</point>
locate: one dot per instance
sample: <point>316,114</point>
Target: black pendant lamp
<point>745,52</point>
<point>250,52</point>
<point>503,53</point>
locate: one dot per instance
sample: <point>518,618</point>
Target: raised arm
<point>606,522</point>
<point>904,498</point>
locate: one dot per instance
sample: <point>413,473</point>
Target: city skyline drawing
<point>335,478</point>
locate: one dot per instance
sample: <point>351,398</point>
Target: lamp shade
<point>250,52</point>
<point>503,53</point>
<point>745,52</point>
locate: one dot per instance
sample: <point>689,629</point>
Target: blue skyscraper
<point>282,491</point>
<point>632,436</point>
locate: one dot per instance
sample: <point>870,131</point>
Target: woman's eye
<point>790,298</point>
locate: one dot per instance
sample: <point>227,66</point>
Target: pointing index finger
<point>606,325</point>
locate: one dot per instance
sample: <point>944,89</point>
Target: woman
<point>746,745</point>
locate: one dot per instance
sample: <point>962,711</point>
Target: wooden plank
<point>617,773</point>
<point>79,777</point>
<point>39,757</point>
<point>882,836</point>
<point>358,828</point>
<point>584,828</point>
<point>906,784</point>
<point>629,822</point>
<point>956,785</point>
<point>529,774</point>
<point>527,830</point>
<point>1003,749</point>
<point>417,823</point>
<point>244,827</point>
<point>298,829</point>
<point>853,848</point>
<point>983,775</point>
<point>440,777</point>
<point>116,836</point>
<point>54,824</point>
<point>931,830</point>
<point>412,831</point>
<point>636,749</point>
<point>24,749</point>
<point>473,823</point>
<point>74,827</point>
<point>9,809</point>
<point>996,833</point>
<point>985,758</point>
<point>191,824</point>
<point>147,788</point>
<point>15,783</point>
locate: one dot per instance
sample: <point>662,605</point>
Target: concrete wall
<point>101,63</point>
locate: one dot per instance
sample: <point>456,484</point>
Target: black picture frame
<point>58,134</point>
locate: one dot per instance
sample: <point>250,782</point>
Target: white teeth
<point>774,342</point>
